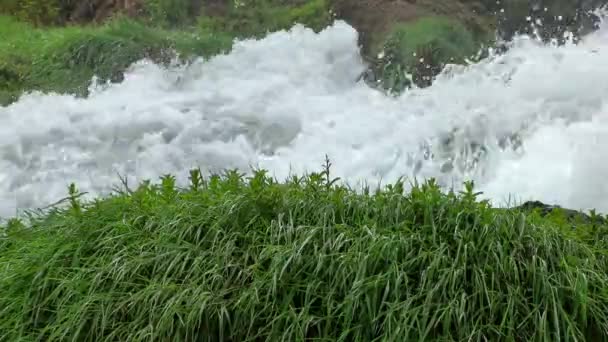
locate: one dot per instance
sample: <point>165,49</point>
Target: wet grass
<point>251,259</point>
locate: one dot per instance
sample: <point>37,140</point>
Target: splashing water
<point>531,123</point>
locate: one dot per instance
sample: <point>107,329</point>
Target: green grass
<point>65,59</point>
<point>252,259</point>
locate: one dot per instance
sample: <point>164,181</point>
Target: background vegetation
<point>257,18</point>
<point>432,37</point>
<point>40,12</point>
<point>65,59</point>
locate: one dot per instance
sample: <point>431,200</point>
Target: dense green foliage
<point>416,52</point>
<point>254,259</point>
<point>65,59</point>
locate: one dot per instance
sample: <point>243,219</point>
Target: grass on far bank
<point>252,259</point>
<point>65,59</point>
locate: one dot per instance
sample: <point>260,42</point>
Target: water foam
<point>283,102</point>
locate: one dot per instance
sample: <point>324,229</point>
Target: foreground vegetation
<point>250,259</point>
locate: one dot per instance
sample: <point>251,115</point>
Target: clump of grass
<point>65,59</point>
<point>250,258</point>
<point>421,49</point>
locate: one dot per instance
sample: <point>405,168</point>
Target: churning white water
<point>283,102</point>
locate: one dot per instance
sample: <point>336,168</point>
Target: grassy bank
<point>65,59</point>
<point>241,259</point>
<point>416,52</point>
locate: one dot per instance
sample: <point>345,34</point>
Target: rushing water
<point>283,102</point>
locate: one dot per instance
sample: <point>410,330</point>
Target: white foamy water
<point>283,102</point>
